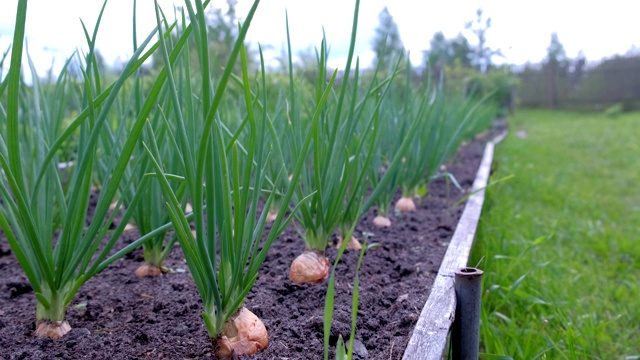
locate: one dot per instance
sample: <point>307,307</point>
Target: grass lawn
<point>561,239</point>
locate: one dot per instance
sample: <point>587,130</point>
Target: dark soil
<point>116,315</point>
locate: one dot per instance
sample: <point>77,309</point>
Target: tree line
<point>461,67</point>
<point>611,84</point>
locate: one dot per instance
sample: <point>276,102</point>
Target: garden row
<point>220,163</point>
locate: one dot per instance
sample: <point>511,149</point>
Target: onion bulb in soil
<point>381,221</point>
<point>405,204</point>
<point>148,270</point>
<point>353,244</point>
<point>52,329</point>
<point>310,267</point>
<point>244,334</point>
<point>272,215</point>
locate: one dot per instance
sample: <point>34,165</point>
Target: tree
<point>438,53</point>
<point>555,66</point>
<point>448,52</point>
<point>461,51</point>
<point>577,68</point>
<point>483,55</point>
<point>387,43</point>
<point>222,29</point>
<point>555,52</point>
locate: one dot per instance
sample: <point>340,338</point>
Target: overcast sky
<point>521,29</point>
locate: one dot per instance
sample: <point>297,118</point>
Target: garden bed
<point>119,316</point>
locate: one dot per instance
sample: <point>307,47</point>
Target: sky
<point>522,30</point>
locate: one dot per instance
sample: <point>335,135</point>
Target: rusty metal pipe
<point>465,337</point>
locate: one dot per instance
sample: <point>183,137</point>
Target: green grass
<point>561,239</point>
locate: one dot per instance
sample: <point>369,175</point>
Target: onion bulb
<point>405,204</point>
<point>310,267</point>
<point>381,221</point>
<point>244,334</point>
<point>52,329</point>
<point>148,270</point>
<point>272,215</point>
<point>353,244</point>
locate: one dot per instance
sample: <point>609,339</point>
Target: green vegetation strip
<point>560,239</point>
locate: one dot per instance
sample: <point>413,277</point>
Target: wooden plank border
<point>429,337</point>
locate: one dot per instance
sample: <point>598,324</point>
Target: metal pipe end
<point>469,271</point>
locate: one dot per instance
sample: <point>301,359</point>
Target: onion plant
<point>151,212</point>
<point>38,201</point>
<point>226,250</point>
<point>390,150</point>
<point>278,182</point>
<point>342,146</point>
<point>424,131</point>
<point>277,174</point>
<point>34,202</point>
<point>399,129</point>
<point>364,156</point>
<point>443,123</point>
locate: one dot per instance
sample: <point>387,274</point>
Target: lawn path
<point>561,239</point>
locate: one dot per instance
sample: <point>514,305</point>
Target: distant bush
<point>614,111</point>
<point>499,84</point>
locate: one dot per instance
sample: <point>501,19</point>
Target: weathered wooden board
<point>429,337</point>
